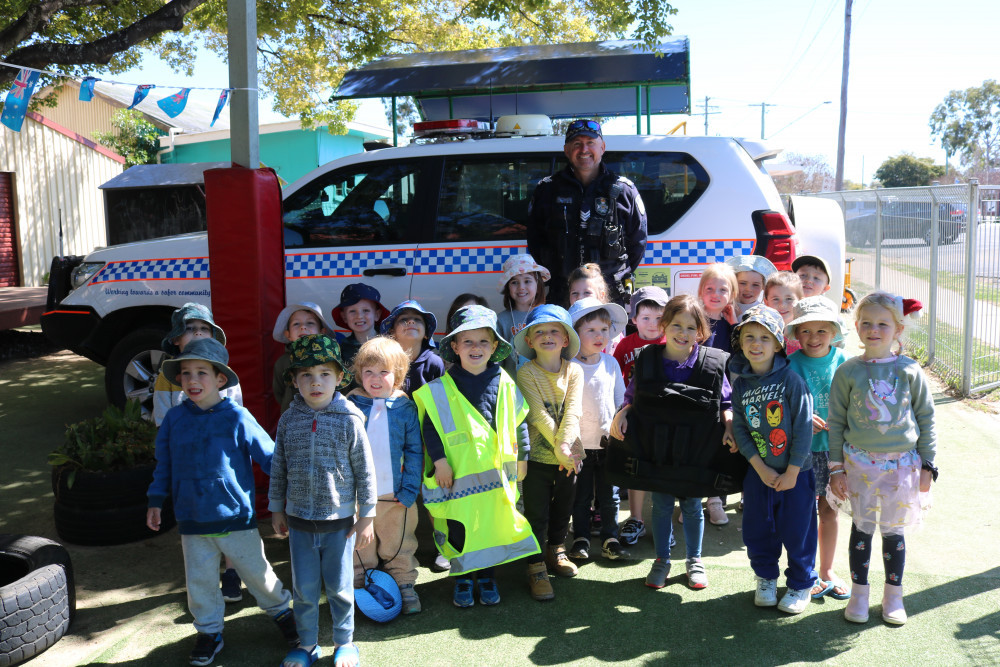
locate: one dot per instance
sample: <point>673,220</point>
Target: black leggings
<point>548,503</point>
<point>893,555</point>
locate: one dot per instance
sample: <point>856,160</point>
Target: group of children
<point>503,427</point>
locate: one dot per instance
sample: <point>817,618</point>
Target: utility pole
<point>763,108</point>
<point>842,130</point>
<point>707,112</point>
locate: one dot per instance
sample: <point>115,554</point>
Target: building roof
<point>162,175</point>
<point>558,80</point>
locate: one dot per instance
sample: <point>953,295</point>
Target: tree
<point>134,137</point>
<point>906,170</point>
<point>968,124</point>
<point>304,46</point>
<point>815,175</point>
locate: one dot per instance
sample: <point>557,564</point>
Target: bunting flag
<point>223,97</point>
<point>16,104</point>
<point>174,105</point>
<point>87,88</point>
<point>140,94</point>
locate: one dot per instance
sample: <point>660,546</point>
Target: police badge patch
<point>601,205</point>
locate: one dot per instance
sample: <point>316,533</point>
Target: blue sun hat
<point>379,599</point>
<point>545,314</point>
<point>470,318</point>
<point>768,318</point>
<point>202,349</point>
<point>587,305</point>
<point>430,322</point>
<point>178,322</point>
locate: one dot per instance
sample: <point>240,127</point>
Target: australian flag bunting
<point>87,88</point>
<point>223,97</point>
<point>140,94</point>
<point>174,105</point>
<point>16,104</point>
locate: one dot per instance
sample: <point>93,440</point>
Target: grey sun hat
<point>543,315</point>
<point>179,319</point>
<point>202,349</point>
<point>816,309</point>
<point>762,265</point>
<point>470,318</point>
<point>657,295</point>
<point>588,305</point>
<point>281,324</point>
<point>768,318</point>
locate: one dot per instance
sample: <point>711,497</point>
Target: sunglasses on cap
<point>578,125</point>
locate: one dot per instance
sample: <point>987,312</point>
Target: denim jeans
<point>590,480</point>
<point>694,524</point>
<point>322,559</point>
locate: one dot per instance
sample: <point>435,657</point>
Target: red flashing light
<point>445,126</point>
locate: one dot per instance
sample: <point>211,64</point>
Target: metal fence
<point>939,244</point>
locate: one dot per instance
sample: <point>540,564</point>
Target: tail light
<point>776,238</point>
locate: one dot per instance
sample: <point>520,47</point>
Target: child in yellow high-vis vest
<point>476,443</point>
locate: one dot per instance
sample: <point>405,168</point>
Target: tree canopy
<point>968,124</point>
<point>815,175</point>
<point>134,138</point>
<point>906,170</point>
<point>304,46</point>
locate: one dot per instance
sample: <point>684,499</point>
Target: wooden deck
<point>21,306</point>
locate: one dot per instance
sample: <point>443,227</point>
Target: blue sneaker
<point>463,593</point>
<point>488,593</point>
<point>206,647</point>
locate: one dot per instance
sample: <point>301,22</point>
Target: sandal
<point>346,651</point>
<point>834,585</point>
<point>302,657</point>
<point>821,588</point>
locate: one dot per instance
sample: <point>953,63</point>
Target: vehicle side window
<point>369,204</point>
<point>669,183</point>
<point>486,199</point>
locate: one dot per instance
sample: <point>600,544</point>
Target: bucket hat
<point>315,350</point>
<point>469,318</point>
<point>588,305</point>
<point>543,315</point>
<point>430,322</point>
<point>761,265</point>
<point>812,260</point>
<point>359,292</point>
<point>518,264</point>
<point>767,317</point>
<point>815,309</point>
<point>379,599</point>
<point>657,295</point>
<point>179,319</point>
<point>202,349</point>
<point>281,324</point>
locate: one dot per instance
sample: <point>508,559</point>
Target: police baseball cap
<point>582,126</point>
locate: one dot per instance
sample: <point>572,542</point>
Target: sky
<point>905,57</point>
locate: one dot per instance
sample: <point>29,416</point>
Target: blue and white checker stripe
<point>189,268</point>
<point>694,252</point>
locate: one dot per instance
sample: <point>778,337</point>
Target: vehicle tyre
<point>119,525</point>
<point>857,236</point>
<point>132,368</point>
<point>37,596</point>
<point>102,490</point>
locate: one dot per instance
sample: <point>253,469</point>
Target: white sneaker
<point>794,601</point>
<point>767,592</point>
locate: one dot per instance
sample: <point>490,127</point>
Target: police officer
<point>586,213</point>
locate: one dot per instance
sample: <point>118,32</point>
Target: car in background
<point>903,219</point>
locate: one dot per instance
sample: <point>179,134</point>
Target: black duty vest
<point>597,239</point>
<point>673,437</point>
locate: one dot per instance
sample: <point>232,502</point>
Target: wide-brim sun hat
<point>281,324</point>
<point>587,305</point>
<point>816,309</point>
<point>430,322</point>
<point>379,599</point>
<point>518,264</point>
<point>657,295</point>
<point>178,322</point>
<point>765,316</point>
<point>202,349</point>
<point>315,350</point>
<point>545,314</point>
<point>470,318</point>
<point>761,265</point>
<point>358,292</point>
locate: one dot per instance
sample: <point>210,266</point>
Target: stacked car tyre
<point>37,596</point>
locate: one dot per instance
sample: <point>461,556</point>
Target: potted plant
<point>100,476</point>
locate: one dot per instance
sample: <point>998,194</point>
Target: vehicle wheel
<point>102,490</point>
<point>132,368</point>
<point>119,525</point>
<point>37,596</point>
<point>849,300</point>
<point>858,237</point>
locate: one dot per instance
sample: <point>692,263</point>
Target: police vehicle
<point>438,218</point>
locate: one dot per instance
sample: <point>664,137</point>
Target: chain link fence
<point>939,244</point>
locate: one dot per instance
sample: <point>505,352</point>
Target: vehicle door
<point>359,223</point>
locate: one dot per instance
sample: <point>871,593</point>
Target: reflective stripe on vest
<point>477,560</point>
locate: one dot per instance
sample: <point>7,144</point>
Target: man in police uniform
<point>586,213</point>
